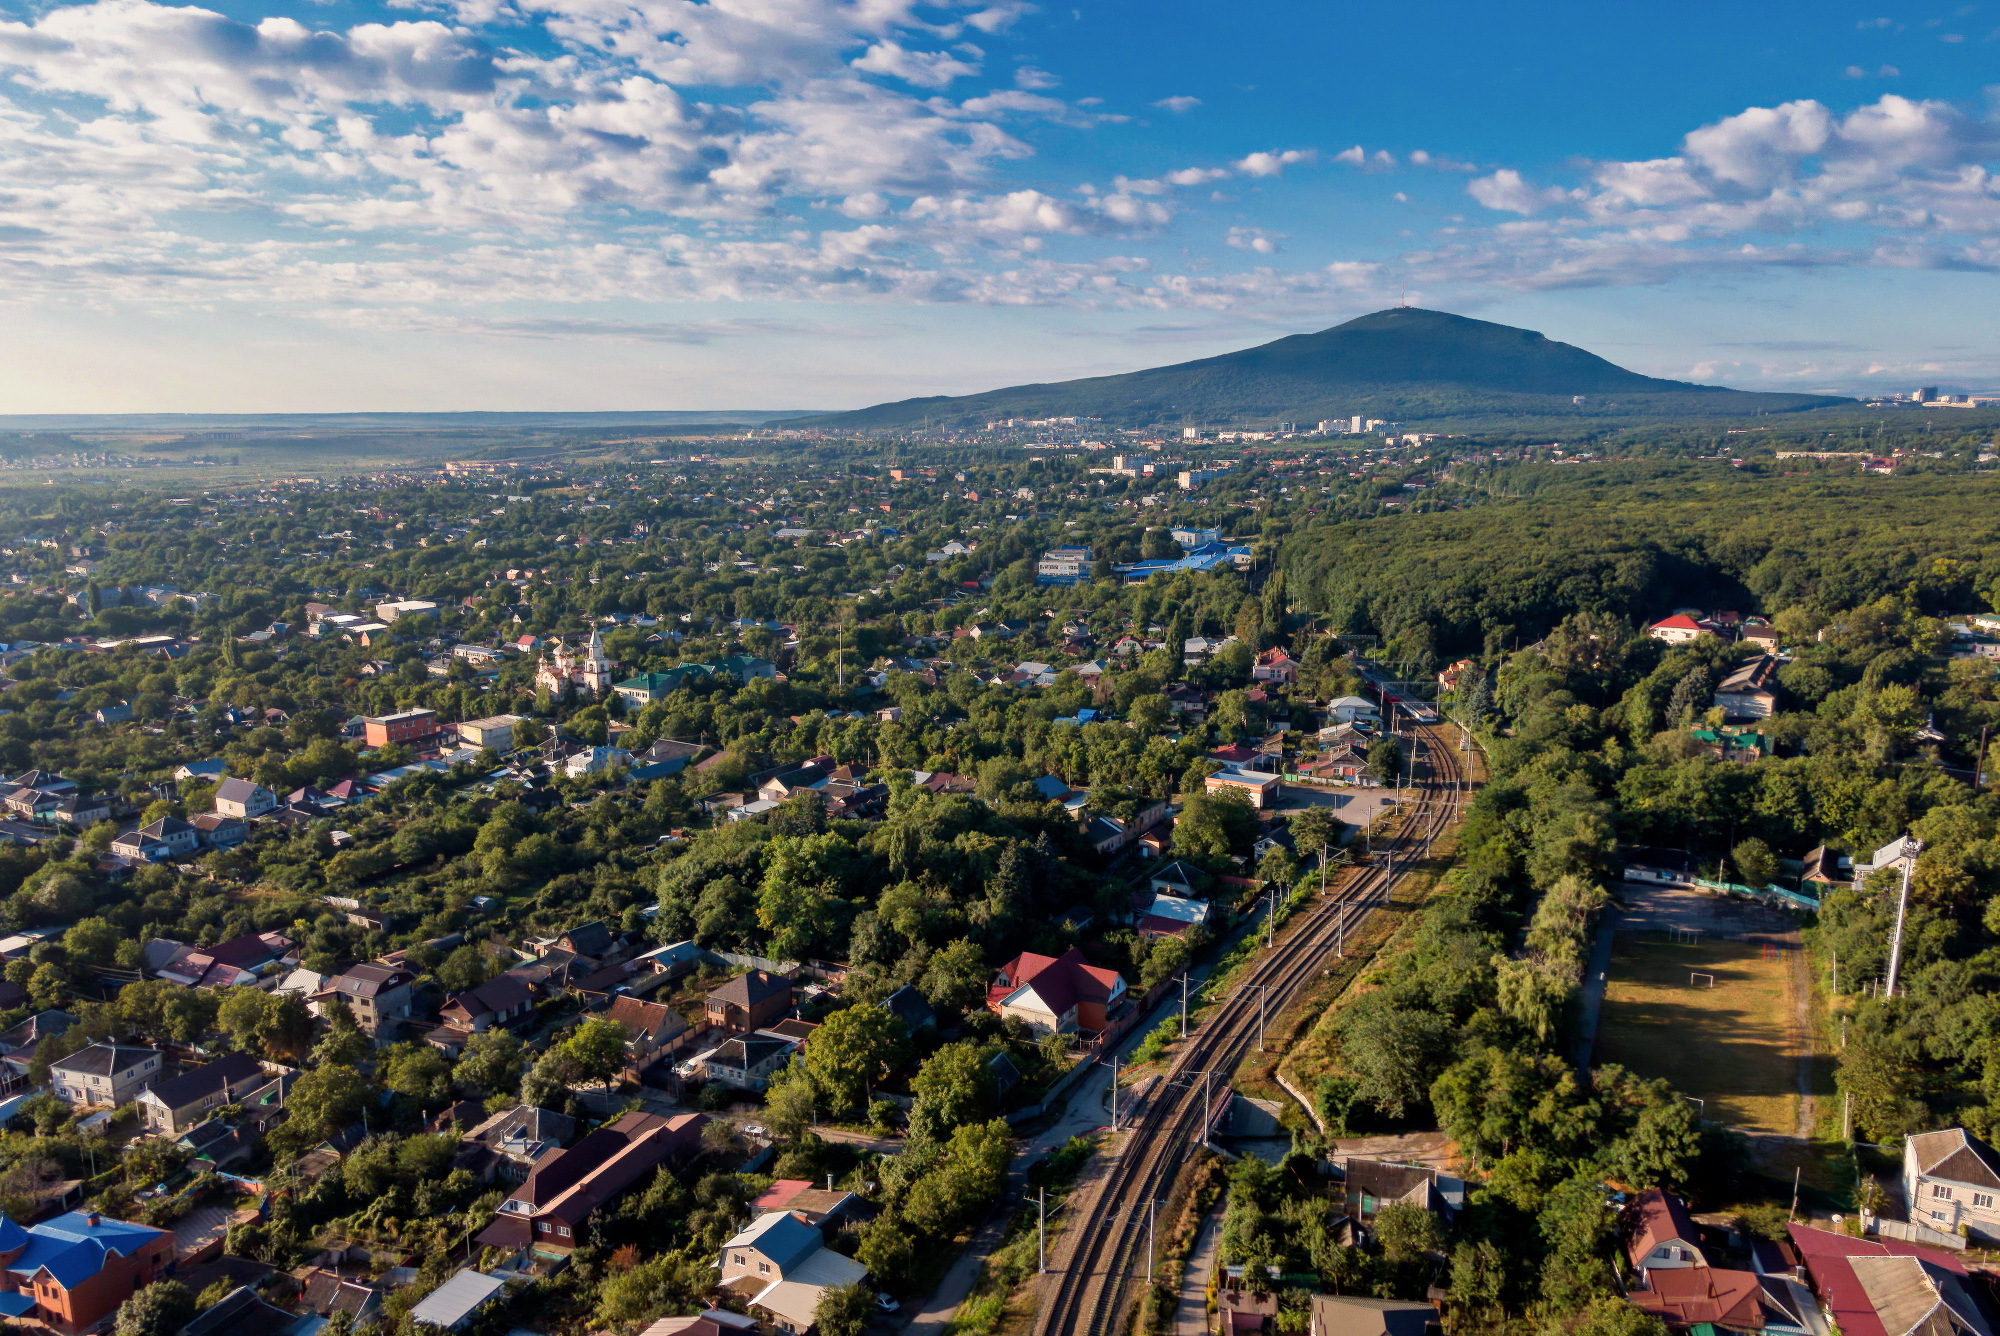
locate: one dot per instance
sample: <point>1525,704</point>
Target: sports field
<point>1731,1045</point>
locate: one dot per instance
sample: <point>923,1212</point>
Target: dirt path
<point>1191,1318</point>
<point>1799,984</point>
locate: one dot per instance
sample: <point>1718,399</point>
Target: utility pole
<point>1271,920</point>
<point>1979,766</point>
<point>1911,848</point>
<point>1114,1091</point>
<point>1152,1239</point>
<point>1042,1229</point>
<point>1795,1193</point>
<point>1184,991</point>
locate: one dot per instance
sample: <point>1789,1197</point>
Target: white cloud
<point>1178,103</point>
<point>925,69</point>
<point>1271,164</point>
<point>1253,239</point>
<point>1507,191</point>
<point>1034,80</point>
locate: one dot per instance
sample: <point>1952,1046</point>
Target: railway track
<point>1089,1290</point>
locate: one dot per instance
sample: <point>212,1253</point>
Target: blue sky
<point>265,205</point>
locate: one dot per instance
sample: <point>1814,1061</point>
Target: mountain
<point>1402,365</point>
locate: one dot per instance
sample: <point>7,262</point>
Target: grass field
<point>1731,1046</point>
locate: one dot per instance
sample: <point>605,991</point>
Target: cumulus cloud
<point>1271,164</point>
<point>1253,239</point>
<point>1178,103</point>
<point>926,69</point>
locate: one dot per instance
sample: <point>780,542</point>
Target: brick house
<point>72,1272</point>
<point>378,995</point>
<point>750,1002</point>
<point>1951,1180</point>
<point>548,1212</point>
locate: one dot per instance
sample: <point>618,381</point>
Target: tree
<point>789,1102</point>
<point>953,1087</point>
<point>956,978</point>
<point>851,1051</point>
<point>1755,862</point>
<point>596,1051</point>
<point>417,1070</point>
<point>490,1067</point>
<point>1609,1317</point>
<point>1385,759</point>
<point>1316,832</point>
<point>1394,1052</point>
<point>466,967</point>
<point>1406,1232</point>
<point>1215,825</point>
<point>324,1100</point>
<point>159,1309</point>
<point>843,1310</point>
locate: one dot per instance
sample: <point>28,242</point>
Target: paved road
<point>1191,1318</point>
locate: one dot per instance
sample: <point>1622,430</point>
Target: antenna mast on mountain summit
<point>1403,298</point>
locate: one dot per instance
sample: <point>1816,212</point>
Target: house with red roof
<point>1274,665</point>
<point>1677,629</point>
<point>1885,1287</point>
<point>566,1188</point>
<point>1057,994</point>
<point>1660,1235</point>
<point>1703,1297</point>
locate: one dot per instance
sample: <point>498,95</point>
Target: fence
<point>1776,895</point>
<point>1896,1229</point>
<point>784,967</point>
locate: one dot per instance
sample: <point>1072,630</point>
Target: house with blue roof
<point>72,1272</point>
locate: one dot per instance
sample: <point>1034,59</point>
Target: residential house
<point>1353,710</point>
<point>103,1075</point>
<point>224,965</point>
<point>777,788</point>
<point>1275,665</point>
<point>79,809</point>
<point>566,1188</point>
<point>216,831</point>
<point>324,1293</point>
<point>1678,629</point>
<point>1950,1182</point>
<point>1180,878</point>
<point>1171,916</point>
<point>1763,635</point>
<point>745,1062</point>
<point>207,772</point>
<point>907,1005</point>
<point>1057,994</point>
<point>71,1273</point>
<point>1749,691</point>
<point>172,1106</point>
<point>1350,1315</point>
<point>1465,670</point>
<point>596,761</point>
<point>501,1000</point>
<point>1368,1185</point>
<point>244,800</point>
<point>1660,1235</point>
<point>407,728</point>
<point>650,1027</point>
<point>781,1267</point>
<point>494,733</point>
<point>825,1208</point>
<point>157,841</point>
<point>378,995</point>
<point>1704,1299</point>
<point>18,1044</point>
<point>241,1313</point>
<point>505,1147</point>
<point>750,1002</point>
<point>1885,1287</point>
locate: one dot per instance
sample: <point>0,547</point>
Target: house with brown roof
<point>649,1028</point>
<point>501,1000</point>
<point>1352,1315</point>
<point>1951,1180</point>
<point>1369,1185</point>
<point>172,1106</point>
<point>377,994</point>
<point>1693,1298</point>
<point>825,1207</point>
<point>549,1211</point>
<point>750,1002</point>
<point>1660,1235</point>
<point>1057,994</point>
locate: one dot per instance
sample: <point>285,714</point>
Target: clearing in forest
<point>1713,1017</point>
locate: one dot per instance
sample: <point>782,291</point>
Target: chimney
<point>90,1219</point>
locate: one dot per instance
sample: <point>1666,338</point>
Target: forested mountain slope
<point>1637,543</point>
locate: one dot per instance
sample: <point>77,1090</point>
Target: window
<point>1941,1191</point>
<point>737,1259</point>
<point>1983,1200</point>
<point>1940,1215</point>
<point>563,1230</point>
<point>763,1268</point>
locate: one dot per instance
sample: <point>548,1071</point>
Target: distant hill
<point>1402,365</point>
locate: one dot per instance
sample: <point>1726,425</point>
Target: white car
<point>886,1304</point>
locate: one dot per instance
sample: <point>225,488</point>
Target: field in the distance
<point>1732,1046</point>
